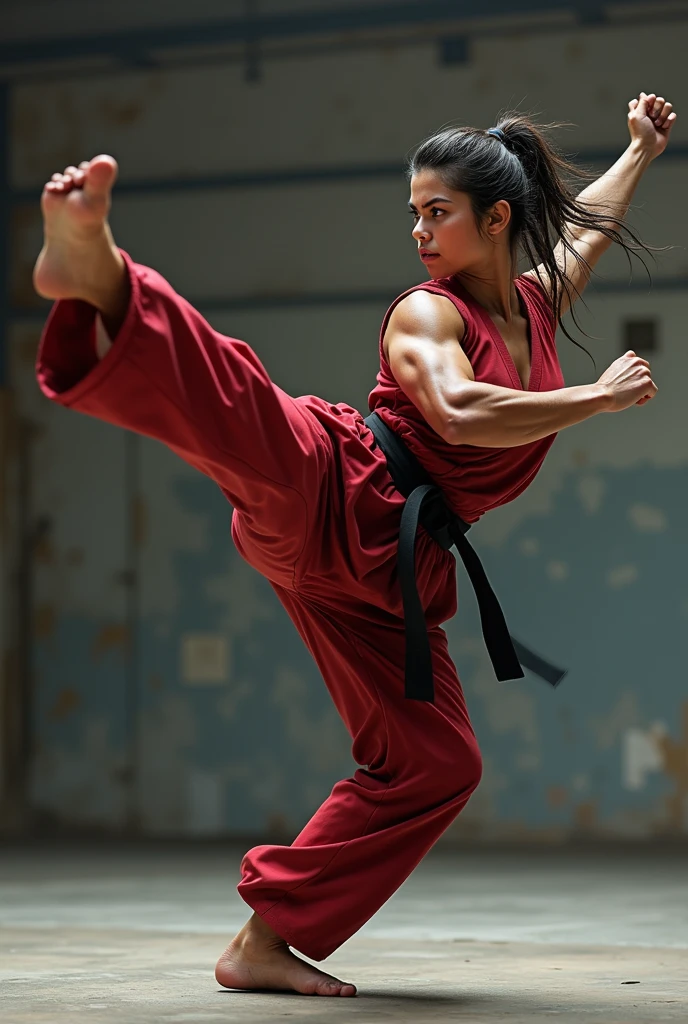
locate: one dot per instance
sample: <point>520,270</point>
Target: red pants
<point>317,514</point>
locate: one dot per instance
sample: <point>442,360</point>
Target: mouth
<point>427,256</point>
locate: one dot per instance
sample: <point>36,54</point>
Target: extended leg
<point>170,376</point>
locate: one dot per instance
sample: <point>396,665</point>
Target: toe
<point>333,987</point>
<point>100,175</point>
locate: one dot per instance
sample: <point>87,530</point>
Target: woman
<point>469,381</point>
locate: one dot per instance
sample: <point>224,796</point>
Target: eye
<point>436,210</point>
<point>414,215</point>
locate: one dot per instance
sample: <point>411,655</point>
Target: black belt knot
<point>426,504</point>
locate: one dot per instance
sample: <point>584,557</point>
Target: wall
<point>172,695</point>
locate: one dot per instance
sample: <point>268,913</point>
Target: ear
<point>498,218</point>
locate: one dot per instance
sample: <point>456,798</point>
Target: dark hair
<point>518,164</point>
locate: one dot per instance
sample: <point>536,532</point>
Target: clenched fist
<point>628,381</point>
<point>650,120</point>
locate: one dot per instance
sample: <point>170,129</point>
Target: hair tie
<point>498,134</point>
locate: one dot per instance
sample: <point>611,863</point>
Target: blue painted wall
<point>133,729</point>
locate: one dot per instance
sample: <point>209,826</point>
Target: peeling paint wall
<point>172,694</point>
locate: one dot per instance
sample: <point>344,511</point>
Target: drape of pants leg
<point>422,765</point>
<point>317,513</point>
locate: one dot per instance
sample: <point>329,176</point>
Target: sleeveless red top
<point>474,479</point>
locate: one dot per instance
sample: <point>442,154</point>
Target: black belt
<point>425,504</point>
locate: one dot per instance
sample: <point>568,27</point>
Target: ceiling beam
<point>289,176</point>
<point>298,24</point>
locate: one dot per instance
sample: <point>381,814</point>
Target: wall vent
<point>640,335</point>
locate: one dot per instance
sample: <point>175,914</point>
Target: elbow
<point>460,418</point>
<point>458,427</point>
<point>469,425</point>
<point>450,429</point>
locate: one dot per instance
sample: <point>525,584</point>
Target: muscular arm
<point>425,355</point>
<point>650,120</point>
<point>609,196</point>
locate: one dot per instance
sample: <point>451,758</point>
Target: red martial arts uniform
<point>316,512</point>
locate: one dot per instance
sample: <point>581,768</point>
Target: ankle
<point>111,298</point>
<point>257,934</point>
<point>105,284</point>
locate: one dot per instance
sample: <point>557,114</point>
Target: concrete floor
<point>132,934</point>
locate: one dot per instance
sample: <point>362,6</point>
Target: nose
<point>421,233</point>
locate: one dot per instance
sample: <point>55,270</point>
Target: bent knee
<point>465,768</point>
<point>455,770</point>
<point>476,772</point>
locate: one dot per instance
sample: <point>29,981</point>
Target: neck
<point>492,285</point>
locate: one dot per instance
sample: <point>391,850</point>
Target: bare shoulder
<point>540,278</point>
<point>540,291</point>
<point>423,346</point>
<point>425,315</point>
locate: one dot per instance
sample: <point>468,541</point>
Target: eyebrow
<point>431,202</point>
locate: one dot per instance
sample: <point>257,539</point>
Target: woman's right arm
<point>425,355</point>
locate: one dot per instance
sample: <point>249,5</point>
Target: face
<point>445,227</point>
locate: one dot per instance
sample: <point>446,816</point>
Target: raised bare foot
<point>259,959</point>
<point>79,259</point>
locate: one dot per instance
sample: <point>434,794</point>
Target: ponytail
<point>516,162</point>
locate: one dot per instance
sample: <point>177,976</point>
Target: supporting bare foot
<point>259,959</point>
<point>79,259</point>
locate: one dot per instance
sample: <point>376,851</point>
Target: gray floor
<point>131,934</point>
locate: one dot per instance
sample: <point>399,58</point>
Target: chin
<point>438,269</point>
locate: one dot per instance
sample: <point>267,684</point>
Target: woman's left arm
<point>650,120</point>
